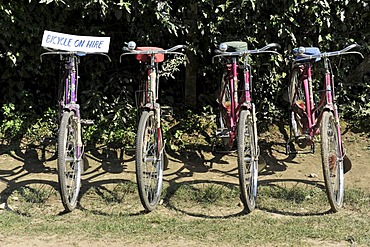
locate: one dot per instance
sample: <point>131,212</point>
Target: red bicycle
<point>149,140</point>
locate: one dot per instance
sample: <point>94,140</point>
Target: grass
<point>205,194</point>
<point>286,216</point>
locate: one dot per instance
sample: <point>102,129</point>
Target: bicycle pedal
<point>303,141</point>
<point>222,133</point>
<point>85,163</point>
<point>166,111</point>
<point>49,140</point>
<point>223,149</point>
<point>87,122</point>
<point>347,164</point>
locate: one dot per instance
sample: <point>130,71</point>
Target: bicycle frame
<point>151,84</point>
<point>68,100</point>
<point>327,101</point>
<point>151,89</point>
<point>237,103</point>
<point>69,103</point>
<point>230,115</point>
<point>151,97</point>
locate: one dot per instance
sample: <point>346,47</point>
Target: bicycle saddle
<point>307,51</point>
<point>236,46</point>
<point>146,57</point>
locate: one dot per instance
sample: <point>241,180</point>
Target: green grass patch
<point>202,195</point>
<point>204,213</point>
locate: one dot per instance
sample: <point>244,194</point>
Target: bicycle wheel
<point>149,160</point>
<point>225,109</point>
<point>247,165</point>
<point>332,162</point>
<point>297,102</point>
<point>69,169</point>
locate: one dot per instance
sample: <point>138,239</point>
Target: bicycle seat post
<point>154,82</point>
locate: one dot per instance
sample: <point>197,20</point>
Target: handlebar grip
<point>274,45</point>
<point>176,48</point>
<point>355,45</point>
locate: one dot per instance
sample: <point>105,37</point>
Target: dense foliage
<point>107,89</point>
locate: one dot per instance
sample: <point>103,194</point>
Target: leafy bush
<point>107,89</point>
<point>190,129</point>
<point>12,123</point>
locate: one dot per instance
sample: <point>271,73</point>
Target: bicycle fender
<point>245,106</point>
<point>328,107</point>
<point>71,107</point>
<point>152,106</point>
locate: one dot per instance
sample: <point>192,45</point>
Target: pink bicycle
<point>309,119</point>
<point>238,121</point>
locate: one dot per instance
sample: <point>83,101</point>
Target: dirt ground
<point>37,164</point>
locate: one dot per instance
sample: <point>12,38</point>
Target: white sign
<point>67,42</point>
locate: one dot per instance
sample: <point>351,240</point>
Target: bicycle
<point>238,121</point>
<point>150,154</point>
<point>70,147</point>
<point>309,118</point>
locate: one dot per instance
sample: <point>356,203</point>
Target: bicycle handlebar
<point>132,51</point>
<point>344,51</point>
<point>73,53</point>
<point>264,49</point>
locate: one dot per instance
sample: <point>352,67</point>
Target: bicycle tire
<point>69,168</point>
<point>247,164</point>
<point>225,108</point>
<point>332,162</point>
<point>149,161</point>
<point>296,94</point>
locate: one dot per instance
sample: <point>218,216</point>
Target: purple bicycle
<point>70,146</point>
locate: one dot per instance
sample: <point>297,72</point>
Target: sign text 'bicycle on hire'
<point>67,42</point>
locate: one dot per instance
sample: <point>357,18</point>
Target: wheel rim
<point>152,163</point>
<point>335,164</point>
<point>71,172</point>
<point>249,163</point>
<point>248,172</point>
<point>296,96</point>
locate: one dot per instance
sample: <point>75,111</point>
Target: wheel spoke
<point>148,162</point>
<point>246,161</point>
<point>332,161</point>
<point>68,164</point>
